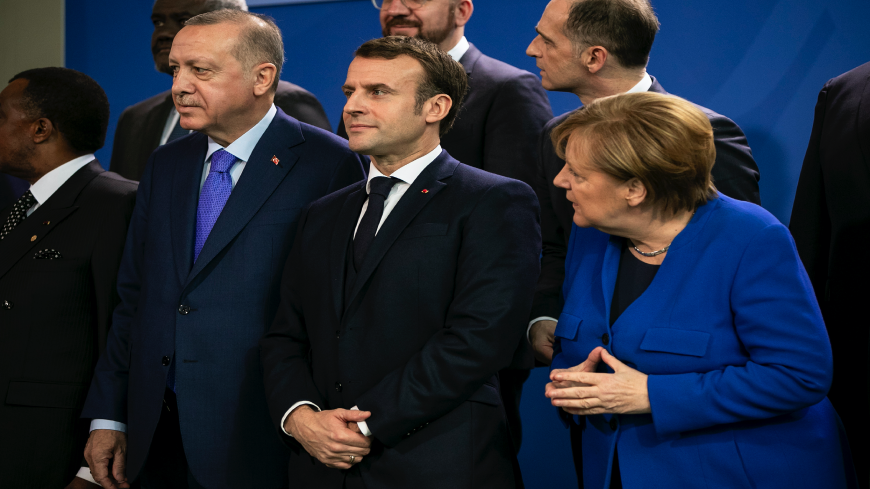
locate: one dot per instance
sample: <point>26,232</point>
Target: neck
<point>241,124</point>
<point>48,161</point>
<point>655,231</point>
<point>453,39</point>
<point>388,164</point>
<point>609,82</point>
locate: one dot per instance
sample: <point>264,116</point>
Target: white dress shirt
<point>241,148</point>
<point>458,51</point>
<point>642,86</point>
<point>171,121</point>
<point>406,174</point>
<point>46,186</point>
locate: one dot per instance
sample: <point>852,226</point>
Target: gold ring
<point>352,458</point>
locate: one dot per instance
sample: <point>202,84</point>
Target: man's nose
<point>533,50</point>
<point>395,8</point>
<point>181,82</point>
<point>353,105</point>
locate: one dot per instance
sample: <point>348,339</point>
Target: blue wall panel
<point>760,62</point>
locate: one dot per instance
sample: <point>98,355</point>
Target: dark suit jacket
<point>734,173</point>
<point>208,316</point>
<point>434,313</point>
<point>500,119</point>
<point>11,189</point>
<point>54,319</point>
<point>830,222</point>
<point>141,125</point>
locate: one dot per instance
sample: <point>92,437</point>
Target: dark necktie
<point>18,214</point>
<point>368,226</point>
<point>215,192</point>
<point>177,131</point>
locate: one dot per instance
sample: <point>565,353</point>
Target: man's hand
<point>327,435</point>
<point>580,390</point>
<point>79,483</point>
<point>542,336</point>
<point>106,454</point>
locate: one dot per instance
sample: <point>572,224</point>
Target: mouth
<point>359,127</point>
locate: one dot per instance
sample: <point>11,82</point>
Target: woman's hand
<point>580,390</point>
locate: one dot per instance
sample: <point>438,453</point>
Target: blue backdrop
<point>760,62</point>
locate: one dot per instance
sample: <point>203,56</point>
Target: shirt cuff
<point>533,321</point>
<point>362,424</point>
<point>85,473</point>
<point>106,424</point>
<point>292,408</point>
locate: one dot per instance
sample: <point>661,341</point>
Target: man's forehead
<point>398,68</point>
<point>179,6</point>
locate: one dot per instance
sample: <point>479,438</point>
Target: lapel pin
<point>425,191</point>
<point>46,223</point>
<point>33,238</point>
<point>275,159</point>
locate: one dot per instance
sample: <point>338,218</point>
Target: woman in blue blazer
<point>691,345</point>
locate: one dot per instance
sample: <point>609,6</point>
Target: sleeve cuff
<point>292,408</point>
<point>362,424</point>
<point>85,473</point>
<point>105,424</point>
<point>532,322</point>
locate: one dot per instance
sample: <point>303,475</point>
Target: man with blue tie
<point>178,400</point>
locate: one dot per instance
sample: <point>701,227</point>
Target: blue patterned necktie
<point>213,197</point>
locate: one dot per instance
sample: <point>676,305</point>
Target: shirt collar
<point>243,147</point>
<point>46,186</point>
<point>459,50</point>
<point>643,85</point>
<point>407,173</point>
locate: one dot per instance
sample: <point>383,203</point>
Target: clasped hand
<point>581,390</point>
<point>330,436</point>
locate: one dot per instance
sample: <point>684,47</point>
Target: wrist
<point>293,419</point>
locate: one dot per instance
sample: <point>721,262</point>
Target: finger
<point>588,378</point>
<point>100,471</point>
<point>119,466</point>
<point>356,416</point>
<point>349,438</point>
<point>611,361</point>
<point>575,393</point>
<point>585,404</point>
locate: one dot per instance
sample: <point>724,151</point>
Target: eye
<point>174,69</point>
<point>347,93</point>
<point>157,23</point>
<point>199,71</point>
<point>378,92</point>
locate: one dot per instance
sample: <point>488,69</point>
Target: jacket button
<point>338,386</point>
<point>165,361</point>
<point>7,305</point>
<point>605,339</point>
<point>183,310</point>
<point>613,423</point>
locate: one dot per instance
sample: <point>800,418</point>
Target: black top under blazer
<point>435,311</point>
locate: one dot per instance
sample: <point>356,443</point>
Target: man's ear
<point>464,9</point>
<point>264,77</point>
<point>437,107</point>
<point>594,58</point>
<point>635,192</point>
<point>41,130</point>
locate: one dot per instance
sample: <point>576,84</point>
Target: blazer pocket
<point>487,394</point>
<point>59,265</point>
<point>46,394</point>
<point>426,229</point>
<point>677,341</point>
<point>568,326</point>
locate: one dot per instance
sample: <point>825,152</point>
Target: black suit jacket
<point>830,222</point>
<point>500,119</point>
<point>734,173</point>
<point>140,126</point>
<point>54,319</point>
<point>435,311</point>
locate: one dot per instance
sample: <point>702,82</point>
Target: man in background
<point>178,398</point>
<point>829,221</point>
<point>154,121</point>
<point>60,247</point>
<point>496,130</point>
<point>11,189</point>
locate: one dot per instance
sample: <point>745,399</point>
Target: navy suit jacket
<point>830,222</point>
<point>734,173</point>
<point>731,337</point>
<point>208,316</point>
<point>435,311</point>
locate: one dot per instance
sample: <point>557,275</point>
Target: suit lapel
<point>341,234</point>
<point>258,181</point>
<point>469,59</point>
<point>864,122</point>
<point>33,229</point>
<point>657,87</point>
<point>185,196</point>
<point>412,202</point>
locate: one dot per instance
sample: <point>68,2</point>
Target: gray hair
<point>260,40</point>
<point>226,4</point>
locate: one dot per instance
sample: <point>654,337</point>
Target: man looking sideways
<point>381,366</point>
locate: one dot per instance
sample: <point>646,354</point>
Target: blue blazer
<point>209,315</point>
<point>736,351</point>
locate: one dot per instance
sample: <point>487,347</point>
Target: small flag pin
<point>275,159</point>
<point>425,191</point>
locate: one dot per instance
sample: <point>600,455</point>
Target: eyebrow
<point>372,86</point>
<point>543,35</point>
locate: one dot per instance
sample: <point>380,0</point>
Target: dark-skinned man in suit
<point>177,400</point>
<point>60,247</point>
<point>154,121</point>
<point>496,130</point>
<point>403,296</point>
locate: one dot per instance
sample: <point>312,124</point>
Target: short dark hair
<point>260,40</point>
<point>626,28</point>
<point>442,74</point>
<point>74,103</point>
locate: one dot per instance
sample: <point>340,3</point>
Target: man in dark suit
<point>496,130</point>
<point>11,189</point>
<point>829,221</point>
<point>154,121</point>
<point>403,296</point>
<point>594,49</point>
<point>60,246</point>
<point>199,277</point>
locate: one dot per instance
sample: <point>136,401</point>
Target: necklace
<point>651,253</point>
